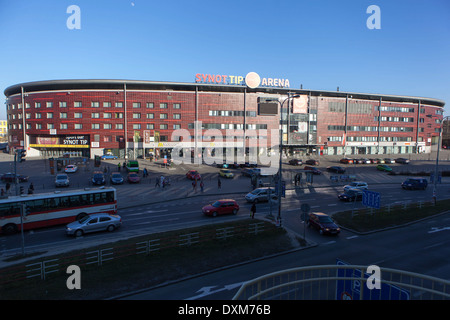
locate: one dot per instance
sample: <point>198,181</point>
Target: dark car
<point>358,161</point>
<point>133,177</point>
<point>312,162</point>
<point>323,223</point>
<point>415,184</point>
<point>250,172</point>
<point>98,178</point>
<point>10,177</point>
<point>116,178</point>
<point>193,175</point>
<point>295,162</point>
<point>336,169</point>
<point>313,169</point>
<point>224,206</point>
<point>402,160</point>
<point>351,195</point>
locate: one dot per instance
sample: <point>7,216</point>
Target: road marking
<point>329,242</point>
<point>206,291</point>
<point>352,237</point>
<point>436,229</point>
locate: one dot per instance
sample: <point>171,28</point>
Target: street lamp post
<point>437,159</point>
<point>280,160</point>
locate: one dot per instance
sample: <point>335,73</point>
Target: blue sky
<point>321,44</point>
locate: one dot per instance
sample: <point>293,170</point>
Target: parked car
<point>259,195</point>
<point>116,178</point>
<point>11,177</point>
<point>352,194</point>
<point>358,161</point>
<point>62,180</point>
<point>133,177</point>
<point>295,162</point>
<point>71,168</point>
<point>312,162</point>
<point>226,173</point>
<point>415,183</point>
<point>402,160</point>
<point>336,169</point>
<point>361,185</point>
<point>379,161</point>
<point>224,206</point>
<point>384,167</point>
<point>389,160</point>
<point>108,157</point>
<point>93,223</point>
<point>366,161</point>
<point>323,223</point>
<point>313,169</point>
<point>193,175</point>
<point>346,160</point>
<point>98,178</point>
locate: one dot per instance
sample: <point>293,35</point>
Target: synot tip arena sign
<point>251,80</point>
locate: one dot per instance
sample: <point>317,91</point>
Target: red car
<point>323,223</point>
<point>133,177</point>
<point>193,175</point>
<point>225,206</point>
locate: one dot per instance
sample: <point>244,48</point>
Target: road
<point>397,249</point>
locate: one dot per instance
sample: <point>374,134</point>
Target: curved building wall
<point>92,117</point>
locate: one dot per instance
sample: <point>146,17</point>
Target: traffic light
<point>21,154</point>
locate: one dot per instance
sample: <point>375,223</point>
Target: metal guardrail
<point>343,282</point>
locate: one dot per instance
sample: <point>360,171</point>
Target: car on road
<point>116,178</point>
<point>93,223</point>
<point>312,162</point>
<point>193,175</point>
<point>361,185</point>
<point>295,162</point>
<point>314,170</point>
<point>71,168</point>
<point>323,223</point>
<point>62,180</point>
<point>224,206</point>
<point>402,160</point>
<point>98,178</point>
<point>352,194</point>
<point>248,172</point>
<point>260,195</point>
<point>11,177</point>
<point>133,177</point>
<point>346,161</point>
<point>226,173</point>
<point>336,169</point>
<point>384,167</point>
<point>108,157</point>
<point>415,184</point>
<point>389,160</point>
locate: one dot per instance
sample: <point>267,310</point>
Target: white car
<point>356,184</point>
<point>71,168</point>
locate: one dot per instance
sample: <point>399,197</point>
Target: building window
<point>137,105</point>
<point>50,126</point>
<point>163,126</point>
<point>28,116</point>
<point>177,116</point>
<point>136,115</point>
<point>27,106</point>
<point>136,126</point>
<point>95,104</point>
<point>106,104</point>
<point>176,126</point>
<point>38,116</point>
<point>38,126</point>
<point>37,105</point>
<point>150,105</point>
<point>118,104</point>
<point>63,126</point>
<point>49,115</point>
<point>63,104</point>
<point>107,115</point>
<point>163,115</point>
<point>150,126</point>
<point>107,126</point>
<point>163,105</point>
<point>49,104</point>
<point>96,126</point>
<point>77,104</point>
<point>78,126</point>
<point>119,126</point>
<point>78,115</point>
<point>150,116</point>
<point>118,115</point>
<point>63,115</point>
<point>177,105</point>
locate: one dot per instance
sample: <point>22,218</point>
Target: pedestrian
<point>8,185</point>
<point>157,182</point>
<point>2,192</point>
<point>31,187</point>
<point>219,184</point>
<point>194,185</point>
<point>202,185</point>
<point>253,210</point>
<point>145,172</point>
<point>118,166</point>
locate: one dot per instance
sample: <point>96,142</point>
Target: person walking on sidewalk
<point>157,182</point>
<point>202,185</point>
<point>253,210</point>
<point>219,184</point>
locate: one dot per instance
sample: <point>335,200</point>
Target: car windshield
<point>98,176</point>
<point>257,191</point>
<point>133,175</point>
<point>325,219</point>
<point>60,177</point>
<point>226,171</point>
<point>216,204</point>
<point>117,175</point>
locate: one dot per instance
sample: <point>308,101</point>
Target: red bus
<point>59,207</point>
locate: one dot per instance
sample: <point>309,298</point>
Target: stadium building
<point>131,118</point>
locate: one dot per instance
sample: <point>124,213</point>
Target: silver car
<point>93,223</point>
<point>62,180</point>
<point>260,195</point>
